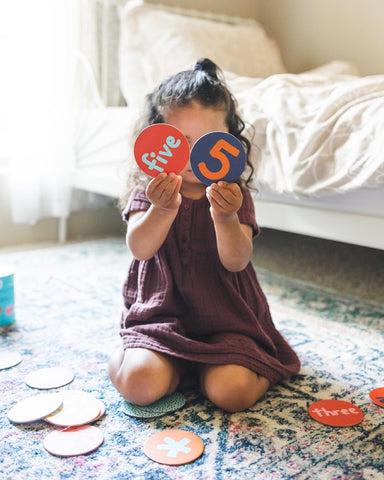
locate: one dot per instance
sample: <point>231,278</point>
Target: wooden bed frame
<point>354,228</point>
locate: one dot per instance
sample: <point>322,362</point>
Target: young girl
<point>192,294</point>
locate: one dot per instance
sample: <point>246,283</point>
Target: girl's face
<point>194,121</point>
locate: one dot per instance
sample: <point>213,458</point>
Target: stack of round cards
<point>71,409</point>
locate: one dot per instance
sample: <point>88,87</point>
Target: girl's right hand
<point>163,191</point>
<point>147,230</point>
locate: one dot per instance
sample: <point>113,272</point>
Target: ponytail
<point>205,84</point>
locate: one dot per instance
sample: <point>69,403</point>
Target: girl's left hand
<point>225,199</point>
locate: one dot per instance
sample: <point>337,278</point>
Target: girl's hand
<point>225,199</point>
<point>164,191</point>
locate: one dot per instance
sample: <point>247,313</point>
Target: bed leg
<point>62,230</point>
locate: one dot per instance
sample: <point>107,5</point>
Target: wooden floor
<point>346,268</point>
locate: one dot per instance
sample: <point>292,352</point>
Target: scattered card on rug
<point>156,409</point>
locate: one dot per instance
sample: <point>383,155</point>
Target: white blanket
<point>314,135</point>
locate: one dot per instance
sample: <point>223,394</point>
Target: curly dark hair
<point>204,84</point>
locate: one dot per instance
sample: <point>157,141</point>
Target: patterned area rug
<point>68,303</point>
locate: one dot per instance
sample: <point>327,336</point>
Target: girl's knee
<point>142,376</point>
<point>232,387</point>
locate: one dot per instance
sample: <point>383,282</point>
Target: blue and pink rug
<point>68,303</point>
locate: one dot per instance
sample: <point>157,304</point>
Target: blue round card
<point>218,156</point>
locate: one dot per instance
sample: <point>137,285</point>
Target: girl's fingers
<point>159,184</point>
<point>172,187</point>
<point>220,194</point>
<point>215,199</point>
<point>164,189</point>
<point>155,183</point>
<point>226,196</point>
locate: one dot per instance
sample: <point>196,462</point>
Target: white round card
<point>101,409</point>
<point>9,359</point>
<point>46,378</point>
<point>78,408</point>
<point>71,441</point>
<point>35,407</point>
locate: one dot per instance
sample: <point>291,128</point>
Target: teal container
<point>7,298</point>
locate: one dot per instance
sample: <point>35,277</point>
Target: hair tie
<point>197,67</point>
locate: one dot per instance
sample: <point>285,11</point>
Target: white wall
<point>313,32</point>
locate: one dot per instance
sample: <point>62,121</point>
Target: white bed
<point>318,136</point>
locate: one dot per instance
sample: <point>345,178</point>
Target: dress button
<point>186,206</point>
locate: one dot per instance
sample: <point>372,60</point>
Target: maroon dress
<point>183,296</point>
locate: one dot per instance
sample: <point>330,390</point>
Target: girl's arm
<point>234,240</point>
<point>147,230</point>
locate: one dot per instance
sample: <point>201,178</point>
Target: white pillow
<point>156,43</point>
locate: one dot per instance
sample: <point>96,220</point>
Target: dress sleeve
<point>137,202</point>
<point>246,213</point>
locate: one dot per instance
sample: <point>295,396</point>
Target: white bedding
<point>315,135</point>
